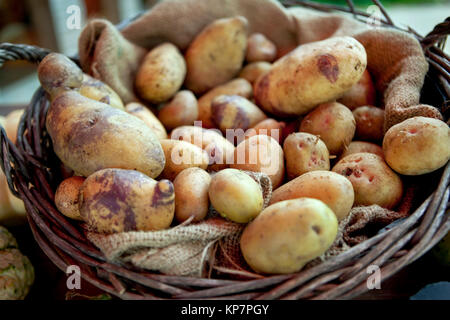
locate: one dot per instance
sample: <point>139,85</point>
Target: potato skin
<point>88,136</point>
<point>67,197</point>
<point>269,127</point>
<point>362,146</point>
<point>312,74</point>
<point>287,235</point>
<point>417,146</point>
<point>373,181</point>
<point>259,48</point>
<point>116,200</point>
<point>182,110</point>
<point>369,123</point>
<point>191,194</point>
<point>142,112</point>
<point>254,70</point>
<point>161,73</point>
<point>235,195</point>
<point>362,93</point>
<point>99,91</point>
<point>216,55</point>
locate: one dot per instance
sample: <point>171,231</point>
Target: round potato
<point>287,235</point>
<point>360,94</point>
<point>369,123</point>
<point>254,70</point>
<point>362,146</point>
<point>142,112</point>
<point>67,197</point>
<point>259,48</point>
<point>417,146</point>
<point>235,195</point>
<point>373,181</point>
<point>182,110</point>
<point>161,73</point>
<point>97,90</point>
<point>333,123</point>
<point>269,127</point>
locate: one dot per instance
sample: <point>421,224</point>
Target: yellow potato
<point>287,235</point>
<point>67,197</point>
<point>362,146</point>
<point>417,146</point>
<point>259,48</point>
<point>369,123</point>
<point>182,110</point>
<point>269,127</point>
<point>142,112</point>
<point>362,93</point>
<point>254,70</point>
<point>12,123</point>
<point>97,90</point>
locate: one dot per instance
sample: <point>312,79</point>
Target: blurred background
<point>56,24</point>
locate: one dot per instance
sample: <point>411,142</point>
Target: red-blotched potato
<point>331,188</point>
<point>285,236</point>
<point>12,123</point>
<point>269,127</point>
<point>362,93</point>
<point>97,90</point>
<point>191,194</point>
<point>369,123</point>
<point>373,181</point>
<point>333,123</point>
<point>254,70</point>
<point>220,151</point>
<point>240,87</point>
<point>259,48</point>
<point>312,74</point>
<point>305,152</point>
<point>261,153</point>
<point>182,110</point>
<point>67,197</point>
<point>181,155</point>
<point>235,195</point>
<point>417,146</point>
<point>142,112</point>
<point>89,136</point>
<point>161,73</point>
<point>116,200</point>
<point>362,146</point>
<point>235,112</point>
<point>216,55</point>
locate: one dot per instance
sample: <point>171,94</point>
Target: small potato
<point>235,195</point>
<point>235,112</point>
<point>269,127</point>
<point>12,123</point>
<point>417,146</point>
<point>369,123</point>
<point>97,90</point>
<point>191,194</point>
<point>259,48</point>
<point>216,55</point>
<point>360,94</point>
<point>263,154</point>
<point>67,197</point>
<point>182,110</point>
<point>254,70</point>
<point>373,181</point>
<point>181,155</point>
<point>305,152</point>
<point>116,200</point>
<point>333,123</point>
<point>161,73</point>
<point>240,87</point>
<point>142,112</point>
<point>362,146</point>
<point>285,236</point>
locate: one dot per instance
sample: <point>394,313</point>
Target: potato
<point>240,87</point>
<point>89,136</point>
<point>181,155</point>
<point>269,127</point>
<point>333,123</point>
<point>142,112</point>
<point>254,70</point>
<point>417,146</point>
<point>261,153</point>
<point>361,93</point>
<point>235,112</point>
<point>97,90</point>
<point>287,235</point>
<point>312,74</point>
<point>161,73</point>
<point>117,200</point>
<point>369,123</point>
<point>67,197</point>
<point>12,123</point>
<point>216,55</point>
<point>191,194</point>
<point>259,48</point>
<point>305,152</point>
<point>331,188</point>
<point>373,181</point>
<point>235,195</point>
<point>362,146</point>
<point>182,110</point>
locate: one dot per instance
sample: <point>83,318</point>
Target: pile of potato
<point>306,119</point>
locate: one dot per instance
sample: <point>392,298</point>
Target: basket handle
<point>13,52</point>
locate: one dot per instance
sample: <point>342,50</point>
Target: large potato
<point>417,146</point>
<point>360,94</point>
<point>161,73</point>
<point>216,55</point>
<point>254,70</point>
<point>287,235</point>
<point>116,200</point>
<point>182,110</point>
<point>362,146</point>
<point>312,74</point>
<point>67,197</point>
<point>373,181</point>
<point>259,48</point>
<point>142,112</point>
<point>97,90</point>
<point>369,123</point>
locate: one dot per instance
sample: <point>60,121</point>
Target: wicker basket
<point>30,167</point>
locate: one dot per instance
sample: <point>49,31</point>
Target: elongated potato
<point>97,90</point>
<point>216,55</point>
<point>259,48</point>
<point>362,146</point>
<point>182,110</point>
<point>67,197</point>
<point>254,70</point>
<point>369,123</point>
<point>161,74</point>
<point>142,112</point>
<point>362,93</point>
<point>312,74</point>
